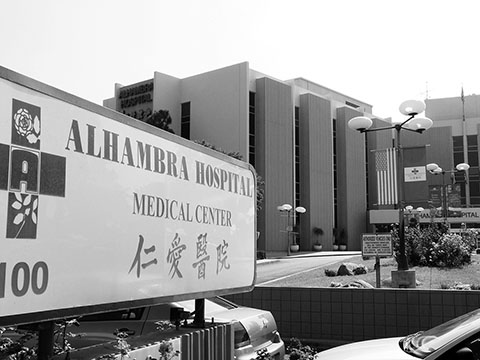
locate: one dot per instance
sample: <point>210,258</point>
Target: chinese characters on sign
<point>137,259</point>
<point>144,257</point>
<point>202,255</point>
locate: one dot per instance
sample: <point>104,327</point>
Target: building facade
<point>452,196</point>
<point>294,133</point>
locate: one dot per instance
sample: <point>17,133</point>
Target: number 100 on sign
<point>22,278</point>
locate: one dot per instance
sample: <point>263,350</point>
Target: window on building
<point>473,173</point>
<point>251,129</point>
<point>185,120</point>
<point>297,156</point>
<point>349,103</point>
<point>335,182</point>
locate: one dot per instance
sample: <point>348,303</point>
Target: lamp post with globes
<point>410,108</point>
<point>434,169</point>
<point>290,213</point>
<point>413,214</point>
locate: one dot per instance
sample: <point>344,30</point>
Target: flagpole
<point>465,149</point>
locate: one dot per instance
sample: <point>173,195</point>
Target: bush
<point>330,273</point>
<point>470,238</point>
<point>434,246</point>
<point>297,351</point>
<point>450,251</point>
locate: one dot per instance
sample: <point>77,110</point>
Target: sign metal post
<point>378,245</point>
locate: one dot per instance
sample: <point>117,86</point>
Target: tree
<point>161,119</point>
<point>236,155</point>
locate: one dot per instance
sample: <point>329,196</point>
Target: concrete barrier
<point>332,316</point>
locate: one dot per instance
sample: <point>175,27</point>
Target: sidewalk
<point>277,256</point>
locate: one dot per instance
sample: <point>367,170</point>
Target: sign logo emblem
<point>26,172</point>
<point>416,173</point>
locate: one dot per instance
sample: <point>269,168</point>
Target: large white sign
<point>96,210</point>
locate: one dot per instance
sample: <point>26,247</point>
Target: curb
<point>308,254</point>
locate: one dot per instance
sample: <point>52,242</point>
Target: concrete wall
<point>331,316</point>
<point>449,112</point>
<point>274,158</point>
<point>316,170</point>
<point>166,96</point>
<point>219,107</point>
<point>351,181</point>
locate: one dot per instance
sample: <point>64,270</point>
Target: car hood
<point>372,350</point>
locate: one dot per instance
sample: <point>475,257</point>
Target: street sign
<point>377,245</point>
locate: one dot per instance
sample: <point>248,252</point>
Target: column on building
<point>351,179</point>
<point>316,169</point>
<point>274,159</point>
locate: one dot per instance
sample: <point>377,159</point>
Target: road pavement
<point>283,266</point>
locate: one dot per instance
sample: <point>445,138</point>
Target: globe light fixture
<point>434,169</point>
<point>290,213</point>
<point>300,209</point>
<point>412,107</point>
<point>462,167</point>
<point>420,124</point>
<point>360,123</point>
<point>284,207</point>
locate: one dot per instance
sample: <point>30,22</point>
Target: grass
<point>427,278</point>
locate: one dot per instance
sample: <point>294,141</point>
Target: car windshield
<point>423,343</point>
<point>212,305</point>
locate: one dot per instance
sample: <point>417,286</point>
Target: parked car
<point>254,329</point>
<point>456,339</point>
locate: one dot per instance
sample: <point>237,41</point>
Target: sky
<point>381,52</point>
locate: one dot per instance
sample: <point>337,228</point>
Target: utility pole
<point>465,150</point>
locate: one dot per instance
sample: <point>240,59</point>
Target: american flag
<point>386,169</point>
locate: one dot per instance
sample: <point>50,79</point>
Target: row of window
<point>251,129</point>
<point>185,133</point>
<point>185,120</point>
<point>473,173</point>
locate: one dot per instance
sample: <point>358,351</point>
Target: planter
<point>343,247</point>
<point>317,247</point>
<point>335,247</point>
<point>294,247</point>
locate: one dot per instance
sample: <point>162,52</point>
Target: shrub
<point>470,238</point>
<point>434,246</point>
<point>450,251</point>
<point>297,351</point>
<point>18,348</point>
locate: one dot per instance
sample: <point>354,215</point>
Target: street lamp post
<point>434,169</point>
<point>413,213</point>
<point>290,213</point>
<point>410,108</point>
